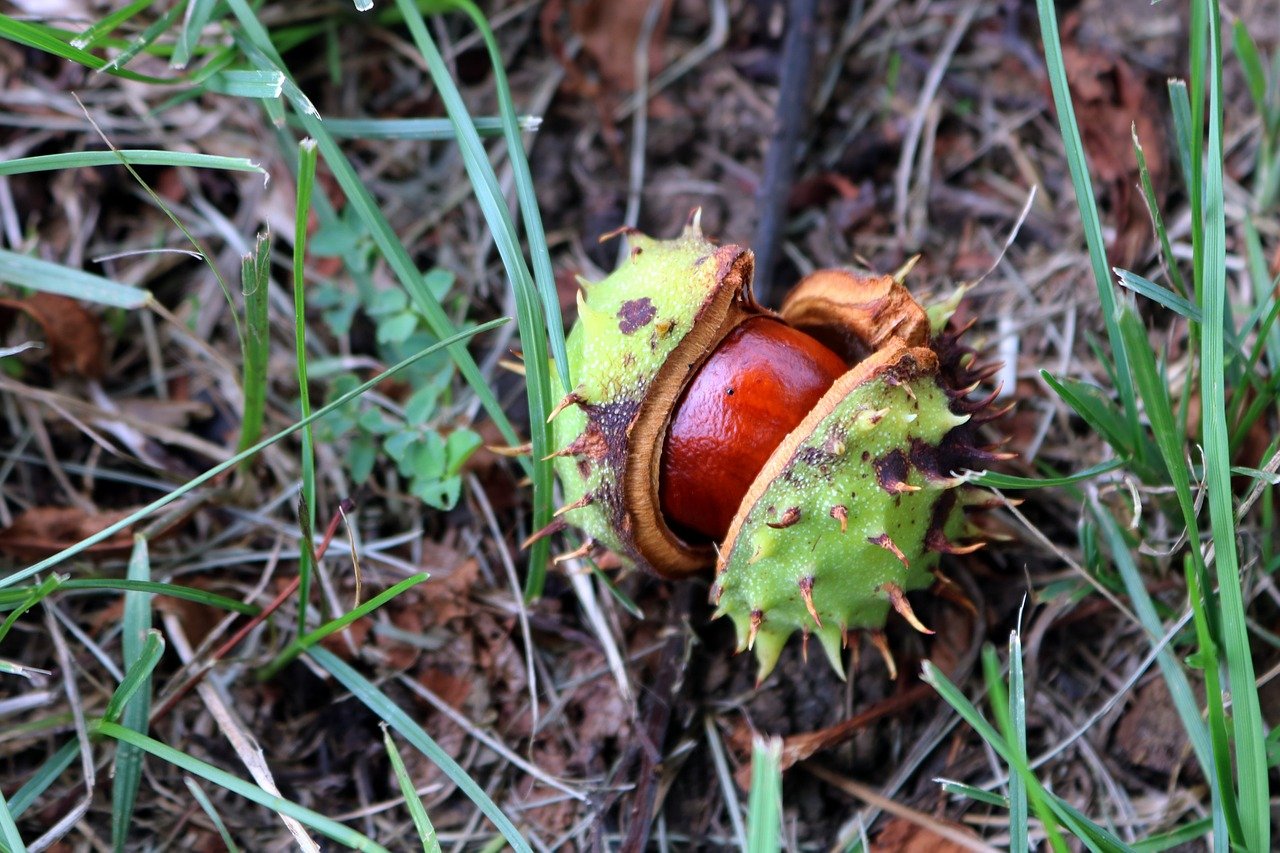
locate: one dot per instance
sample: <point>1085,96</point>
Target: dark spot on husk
<point>635,314</point>
<point>891,471</point>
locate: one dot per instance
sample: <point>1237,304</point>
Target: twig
<point>780,161</point>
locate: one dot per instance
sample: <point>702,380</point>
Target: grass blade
<point>311,819</point>
<point>43,779</point>
<point>142,648</point>
<point>976,794</point>
<point>529,308</point>
<point>301,216</point>
<point>200,596</point>
<point>194,21</point>
<point>207,805</point>
<point>1252,781</point>
<point>996,480</point>
<point>256,43</point>
<point>37,274</point>
<point>44,38</point>
<point>255,278</point>
<point>1018,723</point>
<point>1163,295</point>
<point>764,804</point>
<point>104,26</point>
<point>397,719</point>
<point>196,482</point>
<point>304,643</point>
<point>9,835</point>
<point>132,156</point>
<point>424,129</point>
<point>148,651</point>
<point>421,821</point>
<point>1085,200</point>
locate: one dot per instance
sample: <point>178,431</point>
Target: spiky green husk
<point>640,333</point>
<point>850,511</point>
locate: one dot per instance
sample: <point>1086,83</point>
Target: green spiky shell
<point>843,515</point>
<point>641,333</point>
<point>855,505</point>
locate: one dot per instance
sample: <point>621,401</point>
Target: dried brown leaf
<point>73,335</point>
<point>904,836</point>
<point>45,530</point>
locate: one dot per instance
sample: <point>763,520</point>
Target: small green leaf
<point>361,457</point>
<point>426,461</point>
<point>397,328</point>
<point>397,446</point>
<point>438,494</point>
<point>439,282</point>
<point>389,301</point>
<point>458,448</point>
<point>422,403</point>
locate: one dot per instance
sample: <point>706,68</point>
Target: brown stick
<point>780,161</point>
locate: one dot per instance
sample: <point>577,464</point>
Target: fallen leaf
<point>447,594</point>
<point>610,31</point>
<point>45,530</point>
<point>903,836</point>
<point>1112,99</point>
<point>72,333</point>
<point>1150,734</point>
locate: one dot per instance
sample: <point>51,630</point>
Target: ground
<point>928,129</point>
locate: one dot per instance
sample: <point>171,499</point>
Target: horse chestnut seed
<point>756,387</point>
<point>812,456</point>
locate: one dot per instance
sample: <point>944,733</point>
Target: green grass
<point>1154,440</point>
<point>1235,352</point>
<point>251,68</point>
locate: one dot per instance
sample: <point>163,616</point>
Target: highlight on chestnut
<point>814,456</point>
